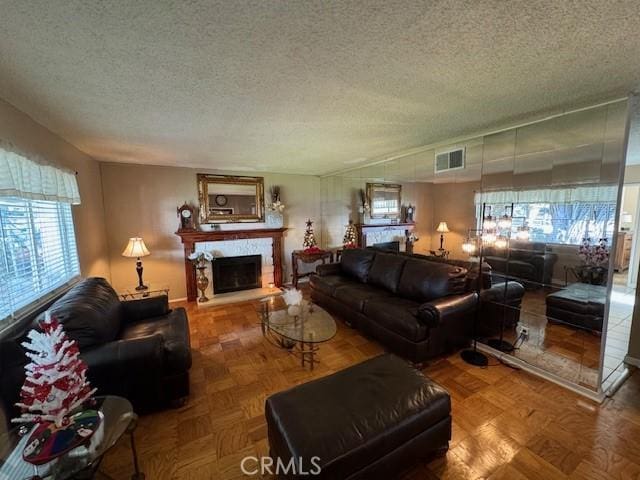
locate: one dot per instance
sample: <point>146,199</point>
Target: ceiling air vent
<point>449,160</point>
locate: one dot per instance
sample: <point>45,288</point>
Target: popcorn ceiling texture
<point>302,87</point>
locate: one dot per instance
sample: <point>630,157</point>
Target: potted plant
<point>595,262</point>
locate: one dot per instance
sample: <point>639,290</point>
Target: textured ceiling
<point>302,87</point>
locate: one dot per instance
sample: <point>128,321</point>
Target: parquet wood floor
<point>507,424</point>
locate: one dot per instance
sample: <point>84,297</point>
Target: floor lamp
<point>473,356</point>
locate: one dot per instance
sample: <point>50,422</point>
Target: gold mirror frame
<point>204,180</point>
<point>393,187</point>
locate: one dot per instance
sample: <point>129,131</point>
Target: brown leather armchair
<point>137,349</point>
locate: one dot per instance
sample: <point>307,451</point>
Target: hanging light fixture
<point>500,242</point>
<point>505,222</point>
<point>469,247</point>
<point>489,237</point>
<point>489,223</point>
<point>523,233</point>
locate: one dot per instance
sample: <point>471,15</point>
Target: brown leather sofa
<point>417,308</point>
<point>138,349</point>
<point>530,262</point>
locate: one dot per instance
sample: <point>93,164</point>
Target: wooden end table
<point>307,257</point>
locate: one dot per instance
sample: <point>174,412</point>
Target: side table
<point>304,257</point>
<point>154,290</point>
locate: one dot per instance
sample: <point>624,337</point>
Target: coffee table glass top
<point>312,324</point>
<point>117,416</point>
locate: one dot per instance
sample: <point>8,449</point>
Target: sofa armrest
<point>437,311</point>
<point>512,294</point>
<point>328,269</point>
<point>147,352</point>
<point>134,310</point>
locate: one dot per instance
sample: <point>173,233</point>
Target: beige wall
<point>141,201</point>
<point>31,137</point>
<point>454,203</point>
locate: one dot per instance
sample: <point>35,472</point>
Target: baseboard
<point>173,300</point>
<point>632,361</point>
<point>596,396</point>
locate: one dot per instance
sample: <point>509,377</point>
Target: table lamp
<point>136,248</point>
<point>442,229</point>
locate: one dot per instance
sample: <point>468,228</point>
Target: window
<point>563,223</point>
<point>38,252</point>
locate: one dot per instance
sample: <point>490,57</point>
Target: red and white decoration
<point>55,382</point>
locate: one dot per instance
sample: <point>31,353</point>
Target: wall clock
<point>221,200</point>
<point>186,216</point>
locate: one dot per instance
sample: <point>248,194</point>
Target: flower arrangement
<point>293,299</point>
<point>199,258</point>
<point>594,255</point>
<point>276,202</point>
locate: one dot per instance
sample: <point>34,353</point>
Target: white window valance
<point>584,194</point>
<point>34,180</point>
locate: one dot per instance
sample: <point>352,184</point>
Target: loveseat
<point>137,349</point>
<point>530,262</point>
<point>417,308</point>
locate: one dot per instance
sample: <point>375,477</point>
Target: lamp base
<point>141,287</point>
<point>501,345</point>
<point>474,357</point>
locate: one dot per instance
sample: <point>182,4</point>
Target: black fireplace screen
<point>231,274</point>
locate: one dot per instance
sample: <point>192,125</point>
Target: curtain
<point>584,194</point>
<point>27,178</point>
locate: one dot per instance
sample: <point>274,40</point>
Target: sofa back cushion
<point>90,312</point>
<point>386,270</point>
<point>356,263</point>
<point>423,281</point>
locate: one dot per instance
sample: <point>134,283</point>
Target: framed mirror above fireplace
<point>230,199</point>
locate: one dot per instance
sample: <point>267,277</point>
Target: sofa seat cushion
<point>355,296</point>
<point>356,263</point>
<point>174,329</point>
<point>386,270</point>
<point>423,281</point>
<point>90,312</point>
<point>357,416</point>
<point>397,315</point>
<point>328,284</point>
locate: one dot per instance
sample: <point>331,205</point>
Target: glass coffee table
<point>118,419</point>
<point>300,330</point>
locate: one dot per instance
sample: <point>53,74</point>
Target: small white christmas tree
<point>309,241</point>
<point>55,382</point>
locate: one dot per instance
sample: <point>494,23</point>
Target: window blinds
<point>39,252</point>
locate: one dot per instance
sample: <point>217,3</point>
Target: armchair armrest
<point>328,269</point>
<point>513,293</point>
<point>131,368</point>
<point>438,311</point>
<point>144,351</point>
<point>134,310</point>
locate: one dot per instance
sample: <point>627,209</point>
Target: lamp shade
<point>135,248</point>
<point>442,227</point>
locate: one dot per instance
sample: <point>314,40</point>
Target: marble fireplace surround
<point>266,242</point>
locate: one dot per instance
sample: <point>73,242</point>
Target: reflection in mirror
<point>553,262</point>
<point>384,200</point>
<point>230,199</point>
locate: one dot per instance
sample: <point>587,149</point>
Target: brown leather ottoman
<point>580,305</point>
<point>372,420</point>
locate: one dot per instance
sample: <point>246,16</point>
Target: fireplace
<point>231,274</point>
<point>391,246</point>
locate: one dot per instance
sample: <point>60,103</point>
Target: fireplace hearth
<point>232,274</point>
